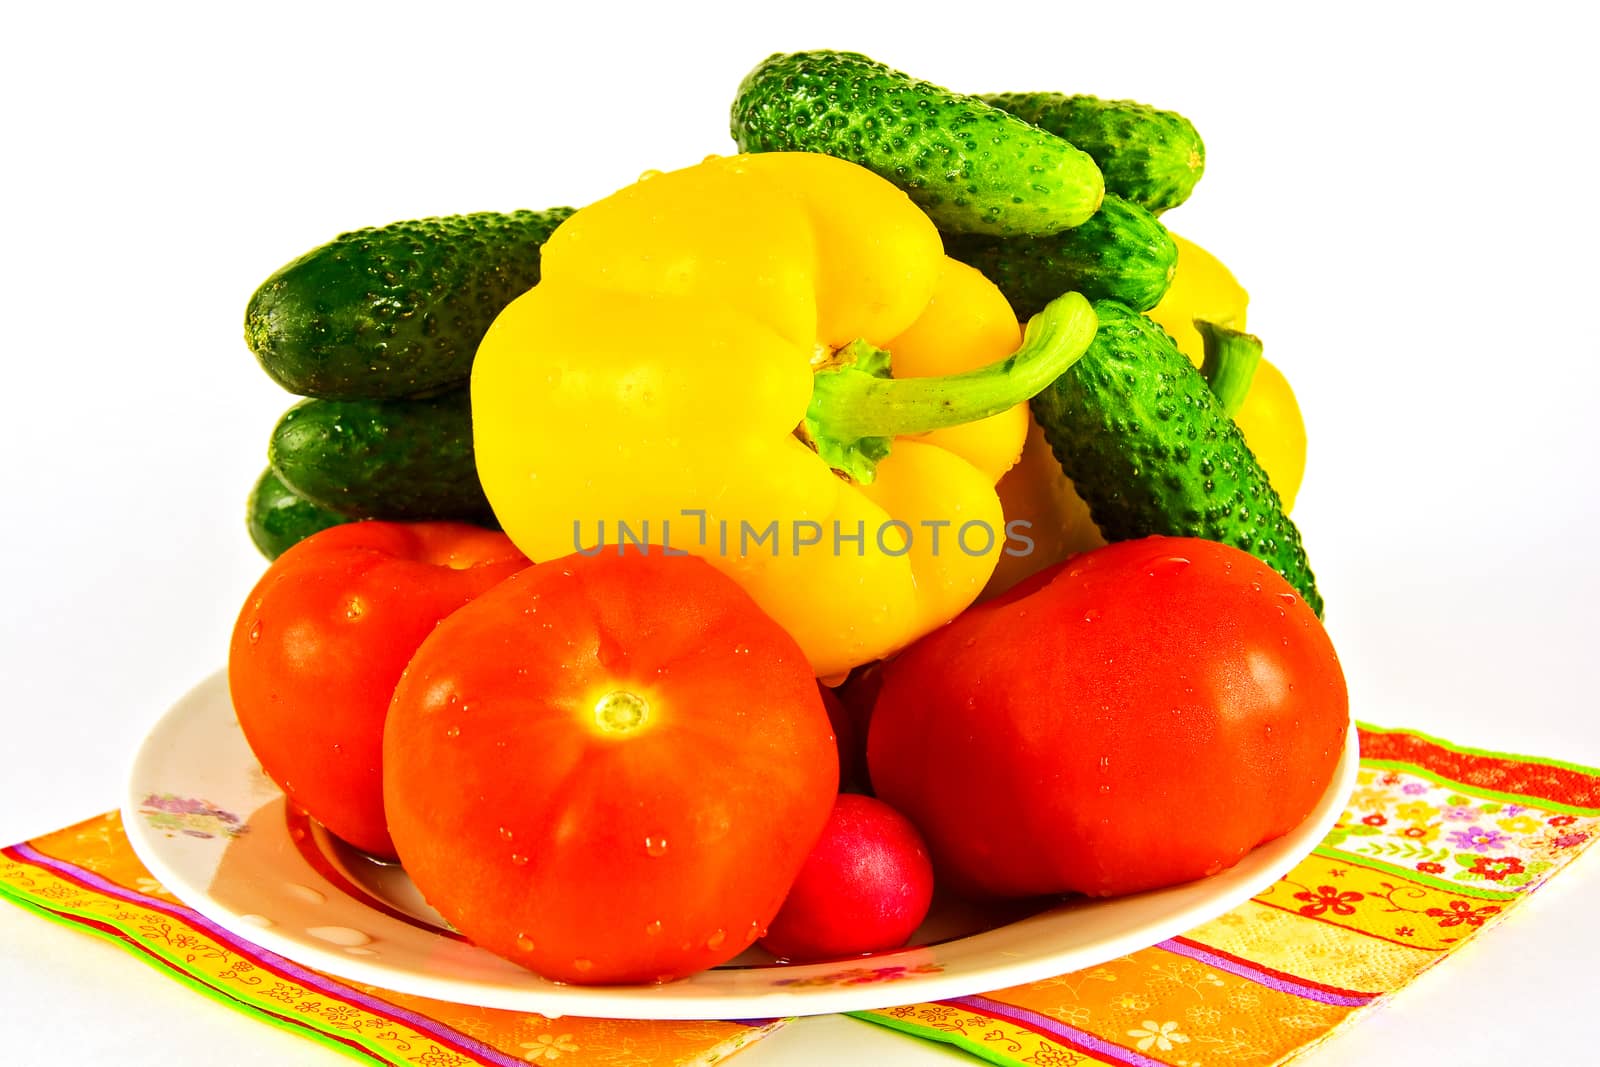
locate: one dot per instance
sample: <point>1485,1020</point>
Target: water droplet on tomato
<point>1287,598</point>
<point>1169,565</point>
<point>255,631</point>
<point>1104,790</point>
<point>653,929</point>
<point>452,731</point>
<point>1105,763</point>
<point>505,833</point>
<point>1091,615</point>
<point>583,966</point>
<point>524,943</point>
<point>355,609</point>
<point>519,860</point>
<point>655,846</point>
<point>715,941</point>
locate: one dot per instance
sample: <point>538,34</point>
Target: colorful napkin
<point>1438,844</point>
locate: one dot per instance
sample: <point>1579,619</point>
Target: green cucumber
<point>277,517</point>
<point>973,168</point>
<point>1150,449</point>
<point>402,460</point>
<point>1149,156</point>
<point>395,310</point>
<point>1122,253</point>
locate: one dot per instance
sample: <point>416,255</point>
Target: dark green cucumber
<point>1149,156</point>
<point>1150,449</point>
<point>1122,253</point>
<point>382,459</point>
<point>278,518</point>
<point>394,310</point>
<point>973,168</point>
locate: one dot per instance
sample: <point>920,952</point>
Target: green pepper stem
<point>856,410</point>
<point>1230,363</point>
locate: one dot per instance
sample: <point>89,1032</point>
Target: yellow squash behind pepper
<point>703,367</point>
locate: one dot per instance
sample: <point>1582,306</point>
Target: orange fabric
<point>1438,844</point>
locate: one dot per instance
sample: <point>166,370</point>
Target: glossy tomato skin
<point>321,641</point>
<point>1140,715</point>
<point>636,844</point>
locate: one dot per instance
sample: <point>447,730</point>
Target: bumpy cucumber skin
<point>278,518</point>
<point>1122,253</point>
<point>395,310</point>
<point>402,460</point>
<point>1147,445</point>
<point>1149,156</point>
<point>971,167</point>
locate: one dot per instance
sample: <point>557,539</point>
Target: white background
<point>1408,197</point>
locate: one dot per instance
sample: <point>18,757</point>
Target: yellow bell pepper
<point>1203,288</point>
<point>768,361</point>
<point>1037,492</point>
<point>1272,426</point>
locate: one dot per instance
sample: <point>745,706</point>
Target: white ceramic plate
<point>217,832</point>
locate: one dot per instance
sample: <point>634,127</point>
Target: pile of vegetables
<point>610,544</point>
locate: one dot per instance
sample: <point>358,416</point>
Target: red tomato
<point>865,887</point>
<point>609,769</point>
<point>321,642</point>
<point>1140,715</point>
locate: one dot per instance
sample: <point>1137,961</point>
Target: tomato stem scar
<point>621,712</point>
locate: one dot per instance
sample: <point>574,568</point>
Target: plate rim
<point>669,1001</point>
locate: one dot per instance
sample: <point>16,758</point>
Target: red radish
<point>866,886</point>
